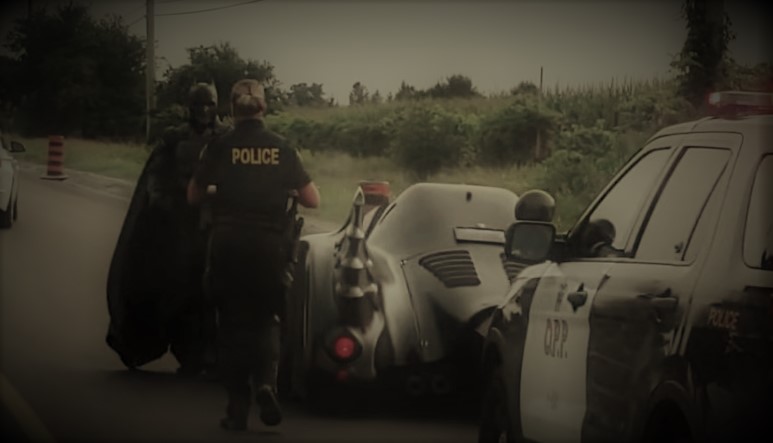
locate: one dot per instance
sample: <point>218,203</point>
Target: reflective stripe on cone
<point>55,169</point>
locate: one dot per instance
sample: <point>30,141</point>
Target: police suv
<point>652,318</point>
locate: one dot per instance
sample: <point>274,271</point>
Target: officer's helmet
<point>535,205</point>
<point>202,103</point>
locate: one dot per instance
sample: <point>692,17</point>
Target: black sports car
<point>393,298</point>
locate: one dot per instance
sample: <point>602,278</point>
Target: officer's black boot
<point>270,413</point>
<point>236,413</point>
<point>233,424</point>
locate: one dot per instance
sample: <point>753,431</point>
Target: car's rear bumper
<point>446,377</point>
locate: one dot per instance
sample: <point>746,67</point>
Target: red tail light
<point>344,347</point>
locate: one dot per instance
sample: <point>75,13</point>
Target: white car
<point>9,182</point>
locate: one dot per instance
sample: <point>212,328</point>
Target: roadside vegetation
<point>566,140</point>
<point>585,135</point>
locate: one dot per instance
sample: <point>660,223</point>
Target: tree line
<point>71,74</point>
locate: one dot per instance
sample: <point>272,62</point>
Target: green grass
<point>336,174</point>
<point>119,160</point>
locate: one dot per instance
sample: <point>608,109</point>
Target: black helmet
<point>202,104</point>
<point>535,205</point>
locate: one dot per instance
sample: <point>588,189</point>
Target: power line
<point>134,22</point>
<point>136,10</point>
<point>142,17</point>
<point>207,10</point>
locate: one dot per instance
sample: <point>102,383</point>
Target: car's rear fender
<point>321,313</point>
<point>443,304</point>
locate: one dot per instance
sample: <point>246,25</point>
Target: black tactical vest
<point>253,173</point>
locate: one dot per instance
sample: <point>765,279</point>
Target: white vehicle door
<point>553,374</point>
<point>553,377</point>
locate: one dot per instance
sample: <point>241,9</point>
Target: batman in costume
<point>156,299</point>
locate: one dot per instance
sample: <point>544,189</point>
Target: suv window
<point>681,202</point>
<point>758,236</point>
<point>610,223</point>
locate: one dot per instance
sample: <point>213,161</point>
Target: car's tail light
<point>344,347</point>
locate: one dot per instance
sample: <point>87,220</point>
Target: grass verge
<point>336,174</point>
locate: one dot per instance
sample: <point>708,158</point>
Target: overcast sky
<point>381,43</point>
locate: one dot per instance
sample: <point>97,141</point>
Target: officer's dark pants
<point>246,265</point>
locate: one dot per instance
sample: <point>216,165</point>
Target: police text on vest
<point>255,156</point>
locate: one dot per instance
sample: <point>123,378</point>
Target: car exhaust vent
<point>512,267</point>
<point>453,268</point>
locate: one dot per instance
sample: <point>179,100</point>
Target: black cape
<point>139,280</point>
<point>135,283</point>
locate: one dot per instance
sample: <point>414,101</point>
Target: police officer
<point>249,172</point>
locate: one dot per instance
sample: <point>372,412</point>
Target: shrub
<point>508,136</point>
<point>363,137</point>
<point>581,161</point>
<point>428,138</point>
<point>585,160</point>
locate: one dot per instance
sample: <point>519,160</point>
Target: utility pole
<point>715,16</point>
<point>150,69</point>
<point>538,146</point>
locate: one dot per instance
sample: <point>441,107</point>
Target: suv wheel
<point>494,418</point>
<point>6,216</point>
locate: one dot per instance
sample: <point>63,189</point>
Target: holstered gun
<point>292,235</point>
<point>205,225</point>
<point>205,211</point>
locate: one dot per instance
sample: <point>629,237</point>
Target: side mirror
<point>529,241</point>
<point>17,147</point>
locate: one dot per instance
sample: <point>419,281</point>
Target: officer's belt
<point>250,221</point>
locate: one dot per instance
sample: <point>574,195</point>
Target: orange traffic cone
<point>55,158</point>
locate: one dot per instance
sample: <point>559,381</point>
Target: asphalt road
<point>60,382</point>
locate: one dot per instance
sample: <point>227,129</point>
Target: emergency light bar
<point>739,103</point>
